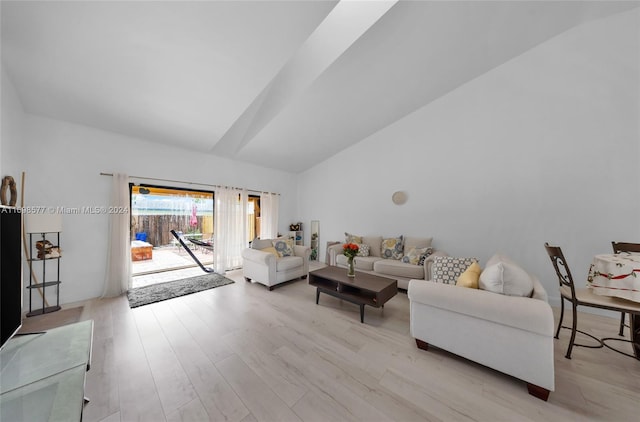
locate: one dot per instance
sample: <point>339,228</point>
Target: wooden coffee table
<point>363,289</point>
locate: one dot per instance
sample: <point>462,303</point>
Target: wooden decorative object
<point>9,184</point>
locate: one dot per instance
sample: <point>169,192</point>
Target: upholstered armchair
<point>262,263</point>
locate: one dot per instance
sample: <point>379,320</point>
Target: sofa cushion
<point>392,248</point>
<point>375,244</point>
<point>416,242</point>
<point>392,267</point>
<point>416,256</point>
<point>447,269</point>
<point>289,263</point>
<point>283,246</point>
<point>363,249</point>
<point>506,278</point>
<point>469,278</point>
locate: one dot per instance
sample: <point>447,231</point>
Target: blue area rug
<point>162,291</point>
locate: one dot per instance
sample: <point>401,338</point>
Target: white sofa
<point>511,334</point>
<point>392,268</point>
<point>264,268</point>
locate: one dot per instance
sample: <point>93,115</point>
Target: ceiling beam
<point>344,25</point>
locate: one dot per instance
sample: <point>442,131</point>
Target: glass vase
<point>351,271</point>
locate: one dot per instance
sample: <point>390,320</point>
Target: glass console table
<point>42,375</point>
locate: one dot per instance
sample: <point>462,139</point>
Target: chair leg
<point>573,331</point>
<point>621,333</point>
<point>561,316</point>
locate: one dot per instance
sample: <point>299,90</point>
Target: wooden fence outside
<point>158,227</point>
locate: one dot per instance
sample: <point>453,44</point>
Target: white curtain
<point>230,228</point>
<point>118,274</point>
<point>269,204</point>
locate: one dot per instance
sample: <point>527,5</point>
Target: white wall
<point>11,128</point>
<point>63,162</point>
<point>542,148</point>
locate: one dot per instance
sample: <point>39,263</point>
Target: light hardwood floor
<point>242,353</point>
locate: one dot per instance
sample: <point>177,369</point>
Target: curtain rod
<point>189,183</point>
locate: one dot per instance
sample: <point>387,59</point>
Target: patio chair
<point>206,245</point>
<point>186,248</point>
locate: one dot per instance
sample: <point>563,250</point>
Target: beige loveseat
<point>511,334</point>
<point>392,268</point>
<point>269,269</point>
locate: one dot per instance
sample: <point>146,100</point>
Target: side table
<point>42,375</point>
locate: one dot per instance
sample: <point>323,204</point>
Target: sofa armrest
<point>538,290</point>
<point>303,251</point>
<point>334,251</point>
<point>258,256</point>
<point>429,261</point>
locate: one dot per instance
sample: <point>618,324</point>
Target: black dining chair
<point>624,247</point>
<point>584,297</point>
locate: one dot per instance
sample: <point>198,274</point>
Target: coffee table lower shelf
<point>364,289</point>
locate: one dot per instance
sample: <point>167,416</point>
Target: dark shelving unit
<point>44,283</point>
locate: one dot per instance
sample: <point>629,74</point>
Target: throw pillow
<point>284,247</point>
<point>506,278</point>
<point>392,248</point>
<point>375,245</point>
<point>363,249</point>
<point>352,238</point>
<point>447,269</point>
<point>424,256</point>
<point>272,250</point>
<point>469,278</point>
<point>415,254</point>
<point>261,243</point>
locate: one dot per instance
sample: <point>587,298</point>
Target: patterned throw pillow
<point>352,238</point>
<point>392,248</point>
<point>447,269</point>
<point>424,256</point>
<point>416,254</point>
<point>283,246</point>
<point>363,249</point>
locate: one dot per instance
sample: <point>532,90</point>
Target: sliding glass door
<point>155,211</point>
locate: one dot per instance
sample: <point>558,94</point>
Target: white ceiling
<point>263,82</point>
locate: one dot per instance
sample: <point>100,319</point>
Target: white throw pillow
<point>506,278</point>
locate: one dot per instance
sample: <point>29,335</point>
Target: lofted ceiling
<point>264,81</point>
